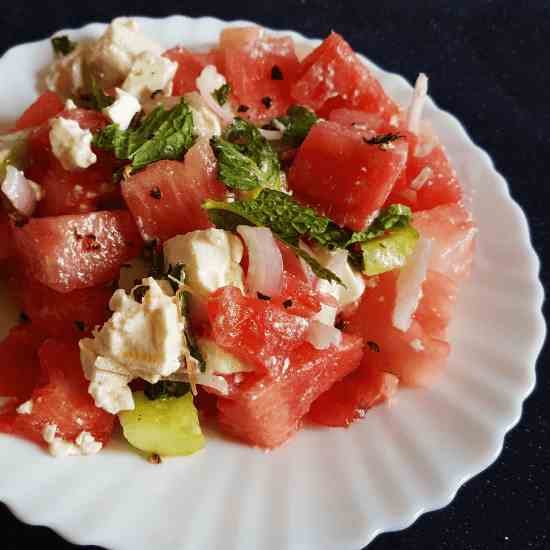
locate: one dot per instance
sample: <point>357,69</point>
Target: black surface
<point>486,62</point>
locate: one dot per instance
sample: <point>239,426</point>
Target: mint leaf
<point>161,135</point>
<point>297,122</point>
<point>246,160</point>
<point>99,99</point>
<point>62,45</point>
<point>221,94</point>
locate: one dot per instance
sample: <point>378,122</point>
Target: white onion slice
<point>271,135</point>
<point>322,336</point>
<point>218,383</point>
<point>21,192</point>
<point>208,82</point>
<point>414,114</point>
<point>409,285</point>
<point>265,261</point>
<point>420,180</point>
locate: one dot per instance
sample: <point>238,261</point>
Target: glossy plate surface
<point>325,489</point>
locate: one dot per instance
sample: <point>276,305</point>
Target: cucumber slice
<point>167,427</point>
<point>389,251</point>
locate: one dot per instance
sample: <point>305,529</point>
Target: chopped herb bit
<point>154,458</point>
<point>222,94</point>
<point>263,296</point>
<point>164,389</point>
<point>287,303</point>
<point>373,346</point>
<point>62,45</point>
<point>99,99</point>
<point>80,325</point>
<point>297,123</point>
<point>243,108</point>
<point>160,135</point>
<point>276,73</point>
<point>267,101</point>
<point>383,141</point>
<point>246,160</point>
<point>24,318</point>
<point>155,193</point>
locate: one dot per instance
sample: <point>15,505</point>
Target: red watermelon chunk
<point>260,69</point>
<point>415,356</point>
<point>78,251</point>
<point>62,400</point>
<point>265,412</point>
<point>166,197</point>
<point>70,315</point>
<point>350,398</point>
<point>256,331</point>
<point>332,76</point>
<point>190,66</point>
<point>48,105</point>
<point>453,232</point>
<point>343,177</point>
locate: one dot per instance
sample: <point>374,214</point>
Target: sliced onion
<point>21,192</point>
<point>271,135</point>
<point>322,336</point>
<point>265,261</point>
<point>409,285</point>
<point>420,180</point>
<point>208,82</point>
<point>414,115</point>
<point>217,383</point>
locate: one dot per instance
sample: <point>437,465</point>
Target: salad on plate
<point>244,236</point>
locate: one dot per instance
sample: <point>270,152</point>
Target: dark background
<point>487,62</point>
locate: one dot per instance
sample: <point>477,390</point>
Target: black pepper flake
<point>287,303</point>
<point>276,73</point>
<point>80,325</point>
<point>263,296</point>
<point>373,346</point>
<point>155,193</point>
<point>267,101</point>
<point>243,108</point>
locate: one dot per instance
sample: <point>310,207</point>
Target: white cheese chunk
<point>87,444</point>
<point>71,144</point>
<point>206,123</point>
<point>211,257</point>
<point>48,432</point>
<point>25,408</point>
<point>66,74</point>
<point>60,448</point>
<point>149,73</point>
<point>123,110</point>
<point>70,105</point>
<point>337,262</point>
<point>111,57</point>
<point>219,361</point>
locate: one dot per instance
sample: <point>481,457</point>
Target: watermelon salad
<point>241,236</point>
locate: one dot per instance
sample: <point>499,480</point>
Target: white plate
<point>325,489</point>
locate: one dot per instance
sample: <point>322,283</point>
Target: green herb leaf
<point>161,135</point>
<point>99,99</point>
<point>297,122</point>
<point>62,45</point>
<point>245,158</point>
<point>222,93</point>
<point>383,141</point>
<point>164,389</point>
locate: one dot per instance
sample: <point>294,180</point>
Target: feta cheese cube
<point>211,257</point>
<point>70,105</point>
<point>25,408</point>
<point>71,144</point>
<point>149,73</point>
<point>219,361</point>
<point>111,57</point>
<point>206,123</point>
<point>87,444</point>
<point>123,110</point>
<point>60,448</point>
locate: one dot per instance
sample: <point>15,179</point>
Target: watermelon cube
<point>190,66</point>
<point>48,105</point>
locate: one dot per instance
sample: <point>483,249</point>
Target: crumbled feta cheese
<point>22,192</point>
<point>48,432</point>
<point>60,448</point>
<point>207,83</point>
<point>25,408</point>
<point>337,262</point>
<point>66,74</point>
<point>123,110</point>
<point>70,105</point>
<point>417,344</point>
<point>211,257</point>
<point>71,144</point>
<point>111,57</point>
<point>219,361</point>
<point>206,122</point>
<point>148,74</point>
<point>140,340</point>
<point>87,444</point>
